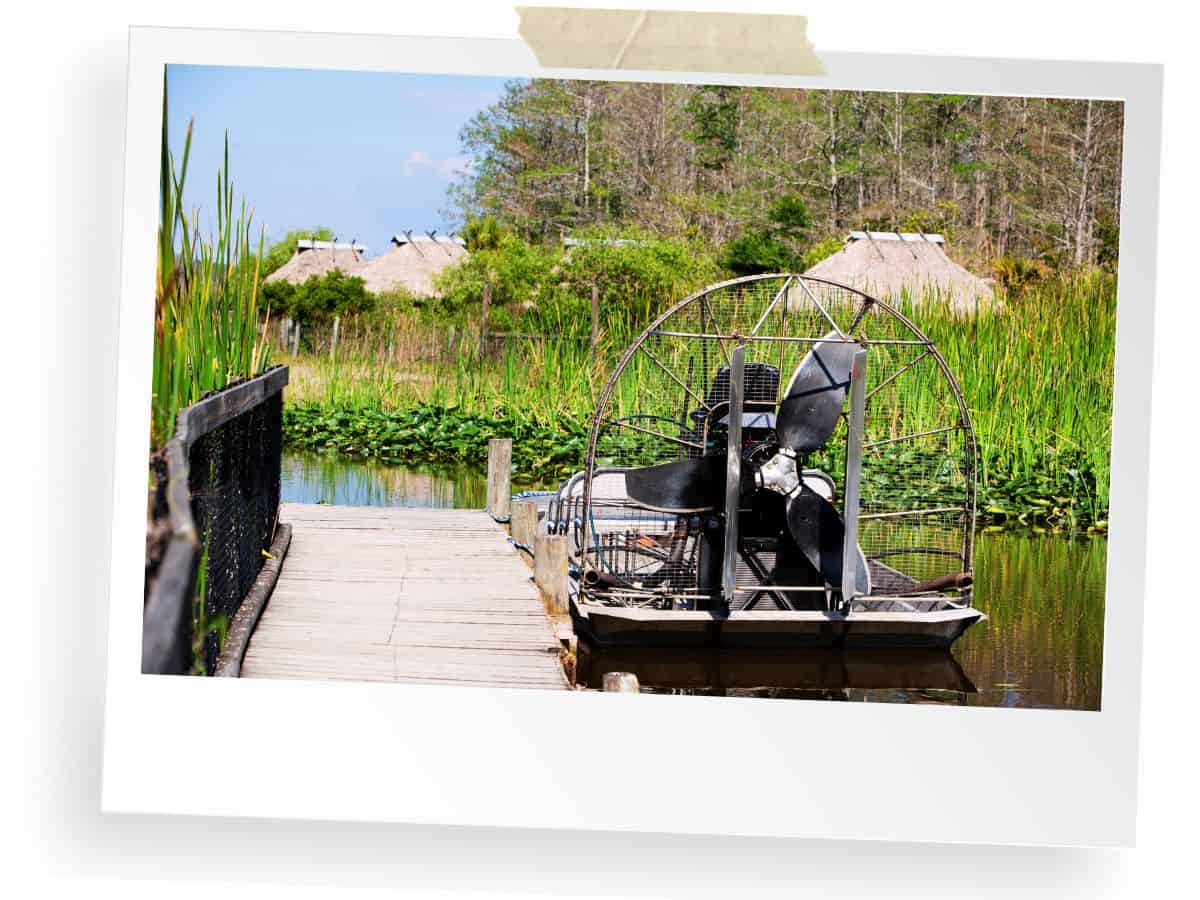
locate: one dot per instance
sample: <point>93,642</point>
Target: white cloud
<point>419,162</point>
<point>454,167</point>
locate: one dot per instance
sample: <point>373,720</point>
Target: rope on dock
<point>524,548</point>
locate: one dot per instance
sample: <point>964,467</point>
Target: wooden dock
<point>431,596</point>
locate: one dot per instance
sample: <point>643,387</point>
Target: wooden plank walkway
<point>433,596</point>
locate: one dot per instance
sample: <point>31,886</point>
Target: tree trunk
<point>833,175</point>
<point>587,147</point>
<point>1006,210</point>
<point>898,153</point>
<point>981,197</point>
<point>1081,210</point>
<point>861,116</point>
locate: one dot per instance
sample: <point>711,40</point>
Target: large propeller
<point>806,418</point>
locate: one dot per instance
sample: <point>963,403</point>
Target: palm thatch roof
<point>412,263</point>
<point>320,258</point>
<point>887,265</point>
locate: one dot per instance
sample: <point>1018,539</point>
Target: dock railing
<point>222,503</point>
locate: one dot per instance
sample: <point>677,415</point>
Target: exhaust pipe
<point>959,581</point>
<point>595,578</point>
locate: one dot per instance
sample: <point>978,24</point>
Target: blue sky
<point>366,153</point>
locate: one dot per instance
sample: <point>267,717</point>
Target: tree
<point>483,233</point>
<point>1008,175</point>
<point>775,248</point>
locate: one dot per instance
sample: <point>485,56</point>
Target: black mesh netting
<point>234,483</point>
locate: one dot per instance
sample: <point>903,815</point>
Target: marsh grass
<point>207,328</point>
<point>1036,370</point>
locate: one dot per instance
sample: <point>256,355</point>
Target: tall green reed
<point>206,312</point>
<point>1036,372</point>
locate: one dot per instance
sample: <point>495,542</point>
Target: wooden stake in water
<point>499,481</point>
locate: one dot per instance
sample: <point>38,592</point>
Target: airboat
<point>722,505</point>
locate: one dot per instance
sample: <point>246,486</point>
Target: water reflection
<point>801,673</point>
<point>1042,645</point>
<point>322,478</point>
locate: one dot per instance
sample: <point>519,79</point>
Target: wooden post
<point>487,301</point>
<point>337,321</point>
<point>595,314</point>
<point>285,333</point>
<point>499,479</point>
<point>620,683</point>
<point>550,571</point>
<point>524,525</point>
<point>296,338</point>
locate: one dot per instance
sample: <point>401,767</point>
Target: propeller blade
<point>816,394</point>
<point>819,532</point>
<point>689,485</point>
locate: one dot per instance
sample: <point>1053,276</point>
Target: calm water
<point>1041,646</point>
<point>316,478</point>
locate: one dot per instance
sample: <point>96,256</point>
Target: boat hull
<point>616,626</point>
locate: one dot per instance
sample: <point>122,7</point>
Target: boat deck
<point>429,596</point>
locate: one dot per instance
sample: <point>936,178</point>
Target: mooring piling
<point>523,525</point>
<point>499,478</point>
<point>550,571</point>
<point>621,683</point>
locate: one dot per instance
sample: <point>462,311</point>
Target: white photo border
<point>646,763</point>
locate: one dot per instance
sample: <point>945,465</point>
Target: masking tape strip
<point>646,40</point>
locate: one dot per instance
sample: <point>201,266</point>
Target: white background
<point>64,133</point>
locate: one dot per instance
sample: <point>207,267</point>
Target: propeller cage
<point>907,482</point>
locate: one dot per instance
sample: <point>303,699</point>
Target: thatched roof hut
<point>885,264</point>
<point>320,258</point>
<point>412,262</point>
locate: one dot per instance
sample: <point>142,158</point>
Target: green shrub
<point>320,298</point>
<point>1016,274</point>
<point>772,248</point>
<point>790,216</point>
<point>517,272</point>
<point>396,300</point>
<point>757,251</point>
<point>547,289</point>
<point>637,280</point>
<point>483,233</point>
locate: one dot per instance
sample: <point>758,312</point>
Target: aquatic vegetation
<point>1037,373</point>
<point>541,453</point>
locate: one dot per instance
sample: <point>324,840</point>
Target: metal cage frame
<point>867,305</point>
